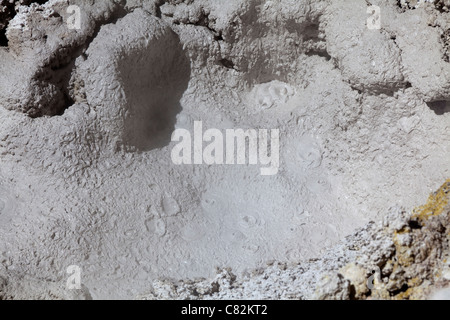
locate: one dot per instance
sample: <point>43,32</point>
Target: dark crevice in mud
<point>404,288</point>
<point>381,91</point>
<point>323,54</point>
<point>227,63</point>
<point>3,38</point>
<point>6,16</point>
<point>158,5</point>
<point>312,32</point>
<point>9,14</point>
<point>218,37</point>
<point>439,107</point>
<point>414,225</point>
<point>374,91</point>
<point>352,294</point>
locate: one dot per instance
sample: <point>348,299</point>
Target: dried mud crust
<point>406,256</point>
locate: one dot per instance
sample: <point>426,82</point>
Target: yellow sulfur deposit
<point>436,203</point>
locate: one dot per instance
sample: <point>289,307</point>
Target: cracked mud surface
<point>87,116</point>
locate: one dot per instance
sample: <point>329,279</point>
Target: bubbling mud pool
<point>86,172</point>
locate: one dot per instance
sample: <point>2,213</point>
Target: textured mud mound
<point>88,109</point>
<point>144,80</point>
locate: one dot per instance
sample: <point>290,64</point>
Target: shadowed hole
<point>153,84</point>
<point>439,107</point>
